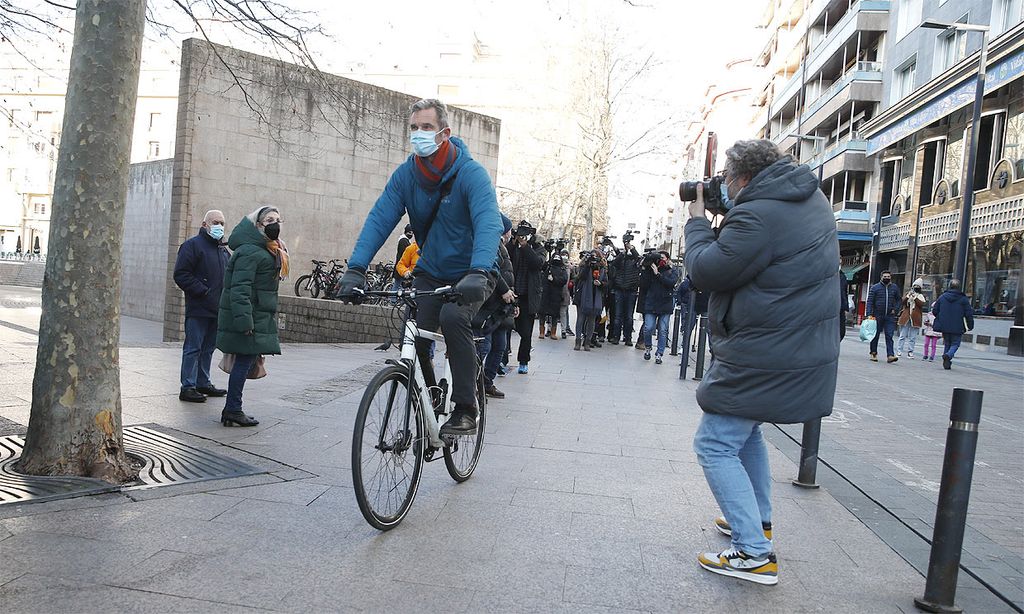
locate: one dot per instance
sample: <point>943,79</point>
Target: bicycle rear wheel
<point>302,285</point>
<point>387,457</point>
<point>462,456</point>
<point>314,288</point>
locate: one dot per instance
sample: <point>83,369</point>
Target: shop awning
<point>850,271</point>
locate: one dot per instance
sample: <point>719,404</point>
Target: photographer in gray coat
<point>774,320</point>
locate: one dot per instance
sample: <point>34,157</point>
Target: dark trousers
<point>491,349</point>
<point>586,319</point>
<point>455,322</point>
<point>236,381</point>
<point>886,325</point>
<point>625,307</point>
<point>951,343</point>
<point>524,326</point>
<point>197,352</point>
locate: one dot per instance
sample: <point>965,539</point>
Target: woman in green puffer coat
<point>246,323</point>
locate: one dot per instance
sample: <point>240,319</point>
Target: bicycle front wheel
<point>387,449</point>
<point>463,454</point>
<point>302,285</point>
<point>314,289</point>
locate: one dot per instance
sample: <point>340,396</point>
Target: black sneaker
<point>613,341</point>
<point>237,418</point>
<point>657,359</point>
<point>191,395</point>
<point>947,362</point>
<point>212,391</point>
<point>570,333</point>
<point>461,422</point>
<point>493,392</point>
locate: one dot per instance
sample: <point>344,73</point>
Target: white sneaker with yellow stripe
<point>735,563</point>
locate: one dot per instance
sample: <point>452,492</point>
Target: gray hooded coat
<point>774,311</point>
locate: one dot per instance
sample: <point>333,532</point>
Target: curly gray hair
<point>437,105</point>
<point>747,158</point>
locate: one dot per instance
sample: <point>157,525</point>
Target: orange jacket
<point>410,257</point>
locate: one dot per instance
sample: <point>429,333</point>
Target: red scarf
<point>430,175</point>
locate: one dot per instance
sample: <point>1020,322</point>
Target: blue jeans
<point>735,460</point>
<point>951,343</point>
<point>887,325</point>
<point>661,321</point>
<point>197,353</point>
<point>236,381</point>
<point>490,350</point>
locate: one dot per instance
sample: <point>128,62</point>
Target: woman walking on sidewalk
<point>909,321</point>
<point>247,323</point>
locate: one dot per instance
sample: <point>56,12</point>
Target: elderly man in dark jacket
<point>773,316</point>
<point>954,316</point>
<point>527,253</point>
<point>199,272</point>
<point>884,303</point>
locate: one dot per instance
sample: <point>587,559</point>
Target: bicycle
<point>397,426</point>
<point>320,280</point>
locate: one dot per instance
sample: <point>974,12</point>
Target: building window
<point>154,150</point>
<point>890,176</point>
<point>952,47</point>
<point>990,148</point>
<point>1005,15</point>
<point>931,169</point>
<point>154,120</point>
<point>903,81</point>
<point>908,17</point>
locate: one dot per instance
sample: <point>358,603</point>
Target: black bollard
<point>675,333</point>
<point>702,340</point>
<point>954,494</point>
<point>809,455</point>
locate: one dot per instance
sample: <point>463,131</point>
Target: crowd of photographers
<point>609,287</point>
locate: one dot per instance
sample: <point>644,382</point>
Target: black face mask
<point>273,231</point>
<point>917,288</point>
<point>886,281</point>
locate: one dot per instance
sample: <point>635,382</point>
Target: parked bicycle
<point>321,280</point>
<point>378,279</point>
<point>398,423</point>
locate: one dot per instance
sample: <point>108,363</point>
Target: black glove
<point>472,287</point>
<point>353,279</point>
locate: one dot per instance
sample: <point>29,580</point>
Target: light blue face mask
<point>726,201</point>
<point>216,231</point>
<point>423,144</point>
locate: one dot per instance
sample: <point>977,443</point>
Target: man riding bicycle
<point>453,209</point>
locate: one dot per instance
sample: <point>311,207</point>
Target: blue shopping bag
<point>868,328</point>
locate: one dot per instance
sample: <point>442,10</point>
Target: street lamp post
<point>963,236</point>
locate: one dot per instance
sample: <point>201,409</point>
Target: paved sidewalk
<point>587,498</point>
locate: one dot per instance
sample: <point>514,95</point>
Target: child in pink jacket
<point>931,337</point>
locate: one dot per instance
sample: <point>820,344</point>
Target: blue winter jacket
<point>199,272</point>
<point>953,313</point>
<point>884,301</point>
<point>463,237</point>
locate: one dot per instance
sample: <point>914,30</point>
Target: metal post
<point>954,494</point>
<point>702,338</point>
<point>675,332</point>
<point>963,236</point>
<point>917,244</point>
<point>809,455</point>
<point>690,318</point>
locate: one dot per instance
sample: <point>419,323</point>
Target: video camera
<point>712,194</point>
<point>651,256</point>
<point>554,245</point>
<point>627,237</point>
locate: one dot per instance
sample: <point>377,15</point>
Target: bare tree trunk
<point>75,424</point>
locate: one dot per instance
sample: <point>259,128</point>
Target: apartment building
<point>920,144</point>
<point>823,80</point>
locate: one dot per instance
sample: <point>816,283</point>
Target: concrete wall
<point>146,225</point>
<point>307,320</point>
<point>319,147</point>
<point>22,273</point>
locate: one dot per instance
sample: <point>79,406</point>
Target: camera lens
<point>688,191</point>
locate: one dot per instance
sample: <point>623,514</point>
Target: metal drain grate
<point>165,460</point>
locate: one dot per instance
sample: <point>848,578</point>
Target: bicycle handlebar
<point>447,292</point>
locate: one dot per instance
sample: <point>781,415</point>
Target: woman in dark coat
<point>555,279</point>
<point>246,322</point>
<point>589,298</point>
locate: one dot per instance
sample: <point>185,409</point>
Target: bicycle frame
<point>409,356</point>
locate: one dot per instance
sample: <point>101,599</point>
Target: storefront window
<point>954,161</point>
<point>1014,149</point>
<point>994,273</point>
<point>935,266</point>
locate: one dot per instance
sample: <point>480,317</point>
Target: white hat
<point>919,282</point>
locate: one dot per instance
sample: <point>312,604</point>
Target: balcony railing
<point>852,145</point>
<point>787,130</point>
<point>865,71</point>
<point>783,96</point>
<point>845,28</point>
<point>895,236</point>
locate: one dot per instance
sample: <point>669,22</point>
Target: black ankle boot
<point>237,418</point>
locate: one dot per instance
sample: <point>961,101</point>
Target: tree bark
<point>75,424</point>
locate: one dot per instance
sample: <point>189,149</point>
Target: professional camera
<point>525,229</point>
<point>651,256</point>
<point>627,237</point>
<point>712,194</point>
<point>554,245</point>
